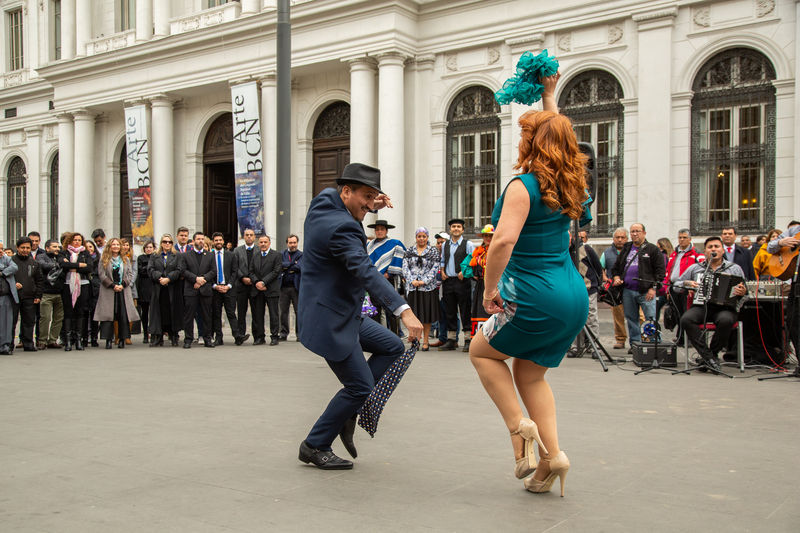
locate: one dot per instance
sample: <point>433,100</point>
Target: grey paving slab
<point>206,440</point>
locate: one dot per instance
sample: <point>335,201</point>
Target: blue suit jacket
<point>336,274</point>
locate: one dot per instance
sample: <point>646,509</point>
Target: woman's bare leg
<point>538,398</point>
<point>426,329</point>
<point>496,379</point>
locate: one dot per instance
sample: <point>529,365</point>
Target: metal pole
<point>283,133</point>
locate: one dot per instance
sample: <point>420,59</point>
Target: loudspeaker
<point>643,353</point>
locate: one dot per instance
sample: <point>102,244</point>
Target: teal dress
<point>546,303</point>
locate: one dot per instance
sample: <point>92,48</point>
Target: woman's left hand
<point>118,288</point>
<point>493,305</point>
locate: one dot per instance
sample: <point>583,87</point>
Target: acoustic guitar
<point>783,263</point>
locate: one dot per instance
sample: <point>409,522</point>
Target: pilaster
<point>391,134</point>
<point>84,218</point>
<point>66,173</point>
<point>33,209</point>
<point>162,189</point>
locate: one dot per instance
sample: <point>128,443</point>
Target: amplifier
<point>643,353</point>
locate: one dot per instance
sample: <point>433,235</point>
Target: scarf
<point>116,264</point>
<point>74,278</point>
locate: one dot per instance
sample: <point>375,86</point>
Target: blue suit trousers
<point>358,376</point>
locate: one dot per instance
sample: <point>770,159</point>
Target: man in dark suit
<point>736,253</point>
<point>290,283</point>
<point>336,274</point>
<point>244,254</point>
<point>226,269</point>
<point>199,272</point>
<point>265,291</point>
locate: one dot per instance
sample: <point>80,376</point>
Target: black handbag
<point>610,294</point>
<point>55,277</point>
<point>671,316</point>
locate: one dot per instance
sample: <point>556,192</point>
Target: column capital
<point>526,42</point>
<point>238,81</point>
<point>84,114</point>
<point>63,117</point>
<point>649,20</point>
<point>360,62</point>
<point>162,100</point>
<point>268,79</point>
<point>135,101</point>
<point>393,57</point>
<point>425,62</point>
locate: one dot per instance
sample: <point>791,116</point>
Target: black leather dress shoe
<point>208,343</point>
<point>273,342</point>
<point>447,346</point>
<point>346,434</point>
<point>259,342</point>
<point>187,344</point>
<point>712,363</point>
<point>218,341</point>
<point>283,338</point>
<point>325,460</point>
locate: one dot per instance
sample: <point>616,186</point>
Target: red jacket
<point>689,258</point>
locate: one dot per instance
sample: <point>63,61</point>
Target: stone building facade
<point>692,106</point>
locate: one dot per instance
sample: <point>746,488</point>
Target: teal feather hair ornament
<point>524,86</point>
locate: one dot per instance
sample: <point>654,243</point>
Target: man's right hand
<point>617,280</point>
<point>412,324</point>
<point>789,241</point>
<point>163,281</point>
<point>247,281</point>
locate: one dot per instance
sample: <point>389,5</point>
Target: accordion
<point>722,287</point>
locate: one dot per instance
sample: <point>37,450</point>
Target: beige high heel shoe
<point>526,464</point>
<point>559,465</point>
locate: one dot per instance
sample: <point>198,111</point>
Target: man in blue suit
<point>337,273</point>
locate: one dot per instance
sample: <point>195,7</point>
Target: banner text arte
<point>138,152</point>
<point>248,132</point>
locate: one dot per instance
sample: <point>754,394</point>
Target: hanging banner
<point>137,145</point>
<point>247,161</point>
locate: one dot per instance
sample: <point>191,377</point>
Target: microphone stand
<point>706,289</point>
<point>594,342</point>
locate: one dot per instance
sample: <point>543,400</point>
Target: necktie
<point>729,249</point>
<point>220,279</point>
<point>263,254</point>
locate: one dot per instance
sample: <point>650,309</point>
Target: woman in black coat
<point>91,331</point>
<point>144,286</point>
<point>77,292</point>
<point>166,307</point>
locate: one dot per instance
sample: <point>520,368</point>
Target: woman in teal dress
<point>536,297</point>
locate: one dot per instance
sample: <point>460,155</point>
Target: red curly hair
<point>548,149</point>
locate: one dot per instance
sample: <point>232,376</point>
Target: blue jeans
<point>631,301</point>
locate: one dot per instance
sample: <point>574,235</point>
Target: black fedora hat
<point>380,222</point>
<point>361,173</point>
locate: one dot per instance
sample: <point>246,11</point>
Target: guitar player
<point>791,239</point>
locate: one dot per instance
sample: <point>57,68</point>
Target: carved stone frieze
<point>451,62</point>
<point>494,56</point>
<point>615,33</point>
<point>764,7</point>
<point>565,42</point>
<point>702,17</point>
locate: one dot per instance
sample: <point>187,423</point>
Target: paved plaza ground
<point>206,440</point>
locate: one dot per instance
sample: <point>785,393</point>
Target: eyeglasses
<point>166,242</point>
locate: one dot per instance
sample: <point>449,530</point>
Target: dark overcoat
<point>157,269</point>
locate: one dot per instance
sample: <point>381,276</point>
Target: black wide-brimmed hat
<point>456,221</point>
<point>361,173</point>
<point>381,223</point>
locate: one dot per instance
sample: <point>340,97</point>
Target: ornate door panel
<point>331,145</point>
<point>219,200</point>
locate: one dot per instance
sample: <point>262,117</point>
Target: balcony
<point>112,42</point>
<point>205,18</point>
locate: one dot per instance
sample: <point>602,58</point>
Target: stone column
<point>362,110</point>
<point>66,174</point>
<point>786,189</point>
<point>144,19</point>
<point>67,32</point>
<point>161,14</point>
<point>83,25</point>
<point>161,165</point>
<point>420,211</point>
<point>33,212</point>
<point>84,171</point>
<point>269,151</point>
<point>653,156</point>
<point>391,133</point>
<point>630,185</point>
<point>680,174</point>
<point>251,7</point>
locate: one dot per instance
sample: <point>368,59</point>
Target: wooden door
<point>330,158</point>
<point>219,200</point>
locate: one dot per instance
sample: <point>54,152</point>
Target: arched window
<point>331,145</point>
<point>15,216</point>
<point>592,101</point>
<point>473,155</point>
<point>733,143</point>
<point>54,197</point>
